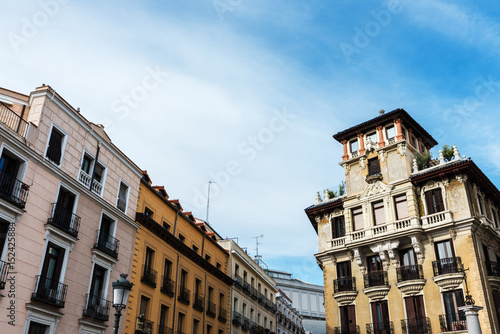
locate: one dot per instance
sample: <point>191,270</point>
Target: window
<point>182,238</point>
<point>36,328</point>
<point>163,323</point>
<point>252,314</point>
<point>390,132</point>
<point>183,278</point>
<point>196,324</point>
<point>401,207</point>
<point>195,248</point>
<point>481,204</point>
<point>455,319</point>
<point>105,236</point>
<point>218,265</point>
<point>415,311</point>
<point>92,172</point>
<point>259,319</point>
<point>236,269</point>
<point>445,258</point>
<point>197,287</point>
<point>123,191</point>
<point>167,269</point>
<point>372,137</point>
<point>166,226</point>
<point>244,310</point>
<point>252,282</point>
<point>149,258</point>
<point>353,145</point>
<point>373,166</point>
<point>11,171</point>
<point>357,219</point>
<point>55,146</point>
<point>244,276</point>
<point>210,294</point>
<point>209,329</point>
<point>148,212</point>
<point>144,307</point>
<point>338,227</point>
<point>380,316</point>
<point>348,318</point>
<point>343,269</point>
<point>62,215</point>
<point>378,213</point>
<point>374,263</point>
<point>434,201</point>
<point>180,322</point>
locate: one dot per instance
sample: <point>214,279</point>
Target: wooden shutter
<point>373,166</point>
<point>438,197</point>
<point>430,203</point>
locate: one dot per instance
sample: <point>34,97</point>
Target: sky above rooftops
<point>249,93</point>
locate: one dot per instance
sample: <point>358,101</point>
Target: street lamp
<point>121,291</point>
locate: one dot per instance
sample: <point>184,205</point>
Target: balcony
<point>211,309</point>
<point>238,281</point>
<point>4,272</point>
<point>416,326</point>
<point>453,322</point>
<point>345,290</point>
<point>65,220</point>
<point>148,276</point>
<point>253,327</point>
<point>254,293</point>
<point>97,308</point>
<point>222,314</point>
<point>184,295</point>
<point>493,270</point>
<point>245,324</point>
<point>262,299</point>
<point>236,318</point>
<point>410,279</point>
<point>13,190</point>
<point>107,244</point>
<point>436,219</point>
<point>13,121</point>
<point>246,287</point>
<point>376,285</point>
<point>168,286</point>
<point>143,325</point>
<point>386,327</point>
<point>165,330</point>
<point>85,179</point>
<point>199,302</point>
<point>49,292</point>
<point>351,329</point>
<point>448,272</point>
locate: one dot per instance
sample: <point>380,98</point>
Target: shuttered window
<point>357,219</point>
<point>54,150</point>
<point>338,227</point>
<point>401,207</point>
<point>373,166</point>
<point>434,201</point>
<point>378,213</point>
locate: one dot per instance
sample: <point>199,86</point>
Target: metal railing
<point>493,268</point>
<point>238,280</point>
<point>407,273</point>
<point>49,292</point>
<point>222,314</point>
<point>448,265</point>
<point>97,308</point>
<point>211,309</point>
<point>254,292</point>
<point>245,324</point>
<point>13,120</point>
<point>148,276</point>
<point>107,244</point>
<point>199,302</point>
<point>453,322</point>
<point>168,286</point>
<point>344,284</point>
<point>351,329</point>
<point>236,318</point>
<point>65,220</point>
<point>376,278</point>
<point>143,325</point>
<point>184,295</point>
<point>386,327</point>
<point>165,330</point>
<point>13,190</point>
<point>416,326</point>
<point>4,272</point>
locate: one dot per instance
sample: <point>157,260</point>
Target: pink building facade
<point>67,217</point>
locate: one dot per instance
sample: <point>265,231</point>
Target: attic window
<point>353,145</point>
<point>390,131</point>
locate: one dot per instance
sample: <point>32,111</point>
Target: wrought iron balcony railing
<point>148,276</point>
<point>344,284</point>
<point>245,324</point>
<point>13,190</point>
<point>49,292</point>
<point>238,280</point>
<point>199,302</point>
<point>4,272</point>
<point>168,286</point>
<point>236,318</point>
<point>376,278</point>
<point>165,330</point>
<point>184,295</point>
<point>351,329</point>
<point>222,314</point>
<point>448,265</point>
<point>107,244</point>
<point>407,273</point>
<point>97,308</point>
<point>416,326</point>
<point>211,309</point>
<point>386,327</point>
<point>13,120</point>
<point>493,268</point>
<point>143,325</point>
<point>453,322</point>
<point>254,292</point>
<point>64,220</point>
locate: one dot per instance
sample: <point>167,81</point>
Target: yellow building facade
<point>396,247</point>
<point>178,271</point>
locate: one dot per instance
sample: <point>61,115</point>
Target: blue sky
<point>249,93</point>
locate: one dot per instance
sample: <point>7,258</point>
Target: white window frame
<point>63,144</point>
<point>23,166</point>
<point>110,216</point>
<point>127,197</point>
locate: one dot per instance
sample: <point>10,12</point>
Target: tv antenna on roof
<point>257,243</point>
<point>208,198</point>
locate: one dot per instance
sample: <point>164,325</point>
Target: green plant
<point>423,160</point>
<point>339,192</point>
<point>447,152</point>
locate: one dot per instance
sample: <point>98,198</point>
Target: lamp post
<point>121,291</point>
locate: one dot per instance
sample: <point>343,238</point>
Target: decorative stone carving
<point>418,248</point>
<point>430,239</point>
<point>446,182</point>
<point>394,258</point>
<point>333,259</point>
<point>375,188</point>
<point>402,148</point>
<point>327,194</point>
<point>456,154</point>
<point>362,160</point>
<point>441,157</point>
<point>318,198</point>
<point>320,264</point>
<point>453,234</point>
<point>462,178</point>
<point>370,145</point>
<point>351,255</point>
<point>432,185</point>
<point>377,292</point>
<point>345,297</point>
<point>346,169</point>
<point>382,155</point>
<point>412,287</point>
<point>449,281</point>
<point>415,166</point>
<point>360,260</point>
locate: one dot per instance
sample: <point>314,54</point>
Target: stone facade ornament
<point>327,194</point>
<point>359,260</point>
<point>370,145</point>
<point>453,233</point>
<point>375,188</point>
<point>382,155</point>
<point>441,157</point>
<point>346,169</point>
<point>430,239</point>
<point>362,160</point>
<point>418,248</point>
<point>415,166</point>
<point>402,148</point>
<point>456,154</point>
<point>333,259</point>
<point>318,198</point>
<point>320,264</point>
<point>351,255</point>
<point>462,178</point>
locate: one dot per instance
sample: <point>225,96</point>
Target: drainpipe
<point>203,245</point>
<point>95,164</point>
<point>175,291</point>
<point>205,302</point>
<point>175,223</point>
<point>21,120</point>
